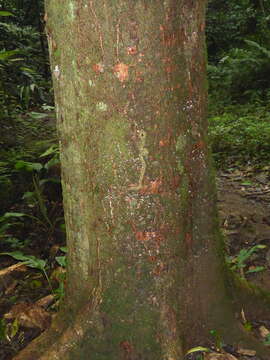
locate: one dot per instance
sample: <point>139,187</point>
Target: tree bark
<point>146,274</point>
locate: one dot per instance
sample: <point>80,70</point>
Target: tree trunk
<point>146,274</point>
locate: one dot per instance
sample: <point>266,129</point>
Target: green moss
<point>114,145</point>
<point>180,150</point>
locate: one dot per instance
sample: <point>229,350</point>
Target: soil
<point>244,211</point>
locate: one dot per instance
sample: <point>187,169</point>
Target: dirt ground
<point>244,210</point>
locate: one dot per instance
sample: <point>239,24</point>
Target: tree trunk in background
<point>146,275</point>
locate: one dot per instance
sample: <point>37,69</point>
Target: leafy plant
<point>8,220</point>
<point>267,340</point>
<point>246,137</point>
<point>218,340</point>
<point>31,261</point>
<point>239,262</point>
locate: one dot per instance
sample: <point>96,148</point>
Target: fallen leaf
<point>218,356</point>
<point>45,301</point>
<point>16,267</point>
<point>264,331</point>
<point>29,316</point>
<point>246,352</point>
<point>11,287</point>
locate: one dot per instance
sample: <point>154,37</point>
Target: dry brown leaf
<point>264,331</point>
<point>218,356</point>
<point>11,287</point>
<point>15,267</point>
<point>29,316</point>
<point>246,352</point>
<point>45,301</point>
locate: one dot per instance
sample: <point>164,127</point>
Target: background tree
<point>146,276</point>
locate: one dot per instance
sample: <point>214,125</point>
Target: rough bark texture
<point>146,273</point>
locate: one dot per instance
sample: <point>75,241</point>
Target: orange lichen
<point>155,186</point>
<point>121,71</point>
<point>138,76</point>
<point>163,142</point>
<point>132,50</point>
<point>145,236</point>
<point>98,68</point>
<point>188,239</point>
<point>158,269</point>
<point>126,346</point>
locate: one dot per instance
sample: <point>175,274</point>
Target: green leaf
<point>52,162</point>
<point>198,348</point>
<point>62,261</point>
<point>6,13</point>
<point>246,183</point>
<point>17,255</point>
<point>36,263</point>
<point>52,150</point>
<point>13,214</point>
<point>4,55</point>
<point>36,115</point>
<point>28,166</point>
<point>29,260</point>
<point>267,340</point>
<point>28,195</point>
<point>14,328</point>
<point>23,68</point>
<point>256,269</point>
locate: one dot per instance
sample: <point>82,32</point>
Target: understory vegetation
<point>32,229</point>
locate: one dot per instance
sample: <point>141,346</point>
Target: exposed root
<point>254,300</point>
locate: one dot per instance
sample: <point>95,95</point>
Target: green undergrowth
<point>240,134</point>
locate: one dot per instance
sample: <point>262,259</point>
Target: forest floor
<point>243,204</point>
<point>244,212</point>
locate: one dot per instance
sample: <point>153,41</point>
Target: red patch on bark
<point>175,182</point>
<point>188,239</point>
<point>158,269</point>
<point>163,142</point>
<point>132,50</point>
<point>140,236</point>
<point>138,76</point>
<point>152,259</point>
<point>145,236</point>
<point>121,71</point>
<point>169,69</point>
<point>126,346</point>
<point>155,186</point>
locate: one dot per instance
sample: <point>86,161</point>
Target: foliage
<point>267,340</point>
<point>20,60</point>
<point>31,261</point>
<point>40,206</point>
<point>23,58</point>
<point>239,262</point>
<point>239,68</point>
<point>241,132</point>
<point>229,22</point>
<point>243,73</point>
